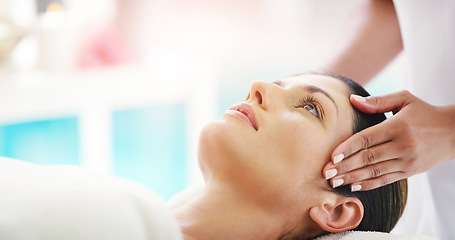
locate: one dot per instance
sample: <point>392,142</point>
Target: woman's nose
<point>260,93</point>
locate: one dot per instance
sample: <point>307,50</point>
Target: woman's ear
<point>344,214</point>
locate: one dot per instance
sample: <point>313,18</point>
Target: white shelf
<point>27,96</point>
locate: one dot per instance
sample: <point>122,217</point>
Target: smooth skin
<point>416,139</point>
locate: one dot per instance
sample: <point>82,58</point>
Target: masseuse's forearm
<point>451,121</point>
<point>369,42</point>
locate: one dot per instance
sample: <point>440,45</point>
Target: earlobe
<point>345,214</point>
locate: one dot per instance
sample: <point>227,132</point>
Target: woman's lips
<point>245,112</point>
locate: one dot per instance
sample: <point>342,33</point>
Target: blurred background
<point>124,86</point>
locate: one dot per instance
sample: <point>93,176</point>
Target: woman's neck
<point>218,213</point>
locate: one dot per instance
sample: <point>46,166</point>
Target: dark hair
<point>383,206</point>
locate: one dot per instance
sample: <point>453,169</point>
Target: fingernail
<point>359,98</point>
<point>338,158</point>
<point>330,173</point>
<point>337,182</point>
<point>356,187</point>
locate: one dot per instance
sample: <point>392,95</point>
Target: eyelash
<point>309,100</point>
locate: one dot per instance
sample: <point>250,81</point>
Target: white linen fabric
<point>357,235</point>
<point>428,33</point>
<point>71,203</point>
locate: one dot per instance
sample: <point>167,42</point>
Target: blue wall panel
<point>149,147</point>
<point>54,141</point>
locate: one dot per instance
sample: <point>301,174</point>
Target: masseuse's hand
<point>415,139</point>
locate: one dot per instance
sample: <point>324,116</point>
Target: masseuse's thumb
<point>380,104</point>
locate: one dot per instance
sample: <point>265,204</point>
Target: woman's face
<point>275,144</point>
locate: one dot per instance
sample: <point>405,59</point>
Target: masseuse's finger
<point>362,140</point>
<point>363,158</point>
<point>370,172</point>
<point>377,182</point>
<point>374,135</point>
<point>379,104</point>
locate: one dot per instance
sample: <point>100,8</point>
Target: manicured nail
<point>356,187</point>
<point>330,173</point>
<point>338,158</point>
<point>337,182</point>
<point>359,98</point>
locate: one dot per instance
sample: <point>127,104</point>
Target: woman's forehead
<point>321,81</point>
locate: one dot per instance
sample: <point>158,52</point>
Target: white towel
<point>357,235</point>
<point>70,203</point>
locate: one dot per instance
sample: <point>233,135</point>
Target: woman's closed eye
<point>311,105</point>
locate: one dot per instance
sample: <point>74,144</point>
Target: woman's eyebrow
<point>315,89</point>
<point>279,83</point>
